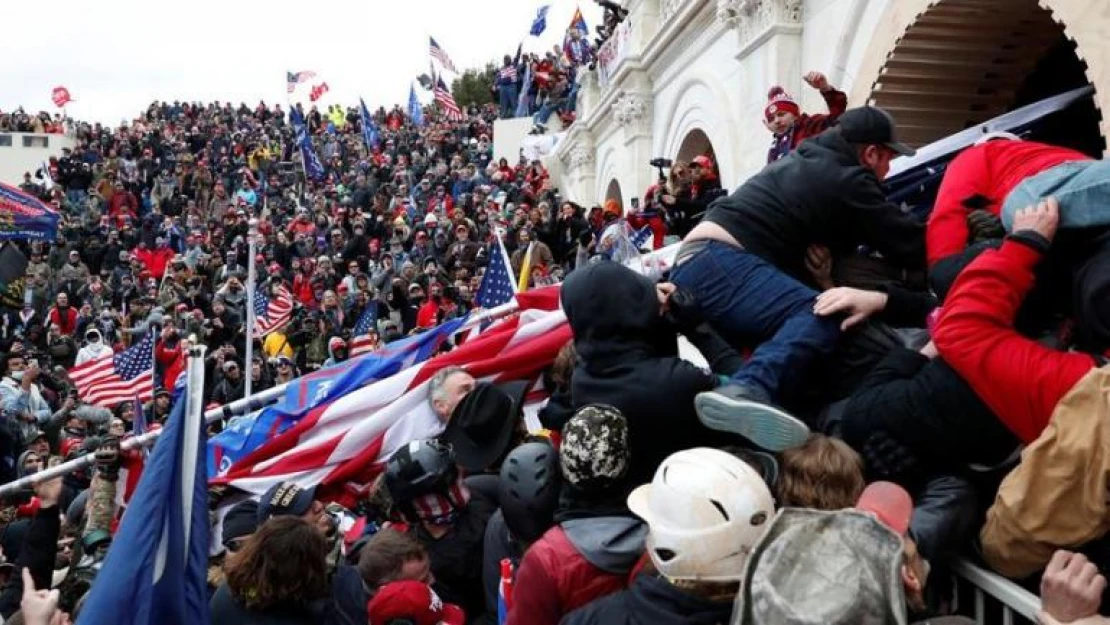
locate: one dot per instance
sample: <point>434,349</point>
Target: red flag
<point>318,91</point>
<point>61,96</point>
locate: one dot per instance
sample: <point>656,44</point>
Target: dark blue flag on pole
<point>416,112</point>
<point>540,23</point>
<point>158,561</point>
<point>24,217</point>
<point>370,132</point>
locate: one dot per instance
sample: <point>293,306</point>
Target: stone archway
<point>695,143</point>
<point>943,65</point>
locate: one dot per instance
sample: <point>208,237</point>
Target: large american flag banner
<point>292,79</point>
<point>341,446</point>
<point>109,380</point>
<point>271,313</point>
<point>360,334</point>
<point>441,56</point>
<point>447,101</point>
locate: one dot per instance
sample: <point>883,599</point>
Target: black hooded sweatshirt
<point>628,359</point>
<point>651,601</point>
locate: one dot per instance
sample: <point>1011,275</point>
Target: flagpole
<point>238,407</point>
<point>248,353</point>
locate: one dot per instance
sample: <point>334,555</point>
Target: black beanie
<point>241,520</point>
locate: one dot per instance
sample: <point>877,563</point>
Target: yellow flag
<point>525,269</point>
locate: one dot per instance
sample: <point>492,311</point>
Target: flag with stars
<point>361,341</point>
<point>112,379</point>
<point>271,312</point>
<point>497,286</point>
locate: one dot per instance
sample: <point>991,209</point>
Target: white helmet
<point>705,510</point>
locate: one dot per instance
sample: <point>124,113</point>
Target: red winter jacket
<point>172,361</point>
<point>65,320</point>
<point>155,260</point>
<point>426,316</point>
<point>1020,379</point>
<point>987,172</point>
<point>554,579</point>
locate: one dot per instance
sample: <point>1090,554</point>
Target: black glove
<point>983,225</point>
<point>108,459</point>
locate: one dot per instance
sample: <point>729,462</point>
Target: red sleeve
<point>946,231</point>
<point>535,595</point>
<point>1018,378</point>
<point>837,102</point>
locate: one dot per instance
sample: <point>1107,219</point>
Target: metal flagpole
<point>248,356</point>
<point>242,406</point>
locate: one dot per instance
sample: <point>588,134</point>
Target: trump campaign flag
<point>24,217</point>
<point>341,446</point>
<point>156,570</point>
<point>370,134</point>
<point>312,392</point>
<point>415,111</point>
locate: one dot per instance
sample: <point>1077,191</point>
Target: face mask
<point>17,376</point>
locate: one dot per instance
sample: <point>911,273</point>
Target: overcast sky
<point>117,56</point>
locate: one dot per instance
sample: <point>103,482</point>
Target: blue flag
<point>540,23</point>
<point>242,435</point>
<point>416,112</point>
<point>370,132</point>
<point>24,217</point>
<point>158,561</point>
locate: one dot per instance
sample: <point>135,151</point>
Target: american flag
<point>360,336</point>
<point>294,79</point>
<point>318,91</point>
<point>341,446</point>
<point>508,73</point>
<point>497,286</point>
<point>441,56</point>
<point>447,101</point>
<point>271,314</point>
<point>109,380</point>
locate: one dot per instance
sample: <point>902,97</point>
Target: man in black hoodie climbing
<point>745,264</point>
<point>626,334</point>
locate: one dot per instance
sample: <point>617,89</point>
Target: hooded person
<point>95,347</point>
<point>705,509</point>
<point>595,541</point>
<point>337,352</point>
<point>628,359</point>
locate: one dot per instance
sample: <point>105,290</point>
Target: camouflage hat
<point>824,568</point>
<point>595,454</point>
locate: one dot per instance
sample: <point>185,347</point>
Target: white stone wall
<point>707,64</point>
<point>16,159</point>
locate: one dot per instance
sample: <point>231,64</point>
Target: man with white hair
<point>448,387</point>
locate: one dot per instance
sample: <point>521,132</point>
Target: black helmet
<point>420,468</point>
<point>529,489</point>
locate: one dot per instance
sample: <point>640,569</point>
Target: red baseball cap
<point>415,601</point>
<point>890,503</point>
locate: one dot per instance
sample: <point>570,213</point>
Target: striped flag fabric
<point>292,79</point>
<point>447,101</point>
<point>361,342</point>
<point>318,91</point>
<point>271,312</point>
<point>441,56</point>
<point>112,379</point>
<point>340,447</point>
<point>497,286</point>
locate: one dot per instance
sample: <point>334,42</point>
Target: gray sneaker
<point>735,409</point>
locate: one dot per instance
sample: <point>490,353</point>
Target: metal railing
<point>993,599</point>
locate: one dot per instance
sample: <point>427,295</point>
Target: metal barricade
<point>991,599</point>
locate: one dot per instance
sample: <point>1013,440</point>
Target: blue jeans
<point>746,298</point>
<point>544,114</point>
<point>507,95</point>
<point>1082,188</point>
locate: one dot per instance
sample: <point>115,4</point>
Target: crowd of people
<point>881,395</point>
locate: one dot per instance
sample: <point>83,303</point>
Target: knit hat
<point>241,520</point>
<point>779,100</point>
<point>612,207</point>
<point>595,454</point>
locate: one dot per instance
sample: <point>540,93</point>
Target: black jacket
<point>818,193</point>
<point>651,601</point>
<point>40,549</point>
<point>930,410</point>
<point>345,606</point>
<point>456,558</point>
<point>628,359</point>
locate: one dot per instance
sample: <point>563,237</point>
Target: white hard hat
<point>705,510</point>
